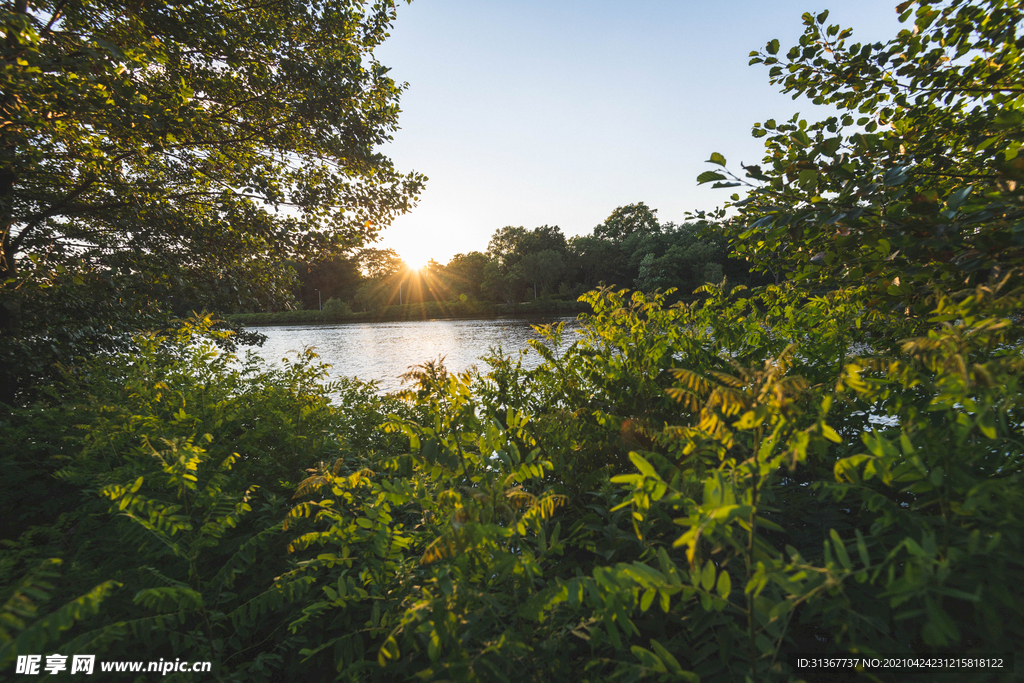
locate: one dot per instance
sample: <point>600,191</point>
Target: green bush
<point>195,453</point>
<point>695,491</point>
<point>688,491</point>
<point>336,308</point>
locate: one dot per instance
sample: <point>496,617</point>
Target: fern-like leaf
<point>36,636</point>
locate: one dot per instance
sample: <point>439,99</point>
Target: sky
<point>555,112</point>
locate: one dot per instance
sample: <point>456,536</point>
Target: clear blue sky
<point>533,112</point>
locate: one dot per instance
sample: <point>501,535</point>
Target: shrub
<point>336,308</point>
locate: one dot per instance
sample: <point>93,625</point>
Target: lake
<point>383,351</point>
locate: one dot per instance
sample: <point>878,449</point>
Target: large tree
<point>163,155</point>
<point>464,273</point>
<point>628,220</point>
<point>505,245</point>
<point>541,269</point>
<point>378,264</point>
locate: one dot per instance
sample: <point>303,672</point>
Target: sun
<point>415,262</point>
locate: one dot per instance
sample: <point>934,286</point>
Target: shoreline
<point>410,313</point>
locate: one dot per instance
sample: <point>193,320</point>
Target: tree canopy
<point>628,220</point>
<point>918,181</point>
<point>176,155</point>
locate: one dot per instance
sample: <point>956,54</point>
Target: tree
<point>541,268</point>
<point>544,238</point>
<point>501,286</point>
<point>510,244</point>
<point>505,244</point>
<point>917,183</point>
<point>696,492</point>
<point>384,270</point>
<point>627,220</point>
<point>592,259</point>
<point>145,154</point>
<point>336,278</point>
<point>681,256</point>
<point>464,273</point>
<point>378,264</point>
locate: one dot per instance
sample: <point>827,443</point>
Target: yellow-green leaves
<point>717,158</point>
<point>724,585</point>
<point>647,487</point>
<point>707,576</point>
<point>662,661</point>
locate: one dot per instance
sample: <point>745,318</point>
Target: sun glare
<point>415,262</point>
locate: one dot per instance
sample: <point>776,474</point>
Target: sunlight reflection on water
<point>383,351</point>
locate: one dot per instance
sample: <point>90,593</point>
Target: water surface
<point>384,351</point>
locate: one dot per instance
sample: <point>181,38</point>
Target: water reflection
<point>383,351</point>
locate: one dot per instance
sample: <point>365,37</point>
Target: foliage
<point>195,453</point>
<point>681,256</point>
<point>626,221</point>
<point>143,149</point>
<point>695,490</point>
<point>917,181</point>
<point>302,317</point>
<point>337,307</point>
<point>380,264</point>
<point>533,265</point>
<point>689,491</point>
<point>336,279</point>
<point>464,274</point>
<point>541,268</point>
<point>430,310</point>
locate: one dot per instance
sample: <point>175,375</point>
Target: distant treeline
<point>629,249</point>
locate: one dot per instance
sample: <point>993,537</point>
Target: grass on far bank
<point>418,311</point>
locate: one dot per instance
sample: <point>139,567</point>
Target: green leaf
<point>671,662</point>
<point>707,576</point>
<point>724,584</point>
<point>648,659</point>
<point>840,549</point>
<point>709,176</point>
<point>801,138</point>
<point>830,434</point>
<point>716,158</point>
<point>808,178</point>
<point>641,464</point>
<point>862,549</point>
<point>764,644</point>
<point>957,199</point>
<point>895,176</point>
<point>647,599</point>
<point>727,513</point>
